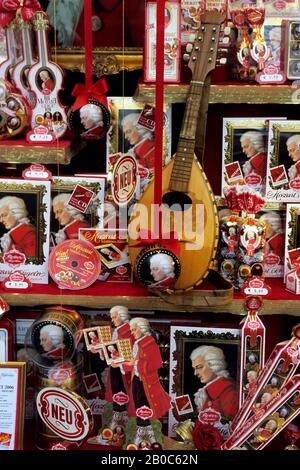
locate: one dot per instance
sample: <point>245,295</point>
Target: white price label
<point>16,285</point>
<point>37,174</point>
<point>41,138</point>
<point>256,291</point>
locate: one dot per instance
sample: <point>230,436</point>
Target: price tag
<point>256,286</point>
<point>36,172</point>
<point>17,281</point>
<point>40,135</point>
<point>255,291</point>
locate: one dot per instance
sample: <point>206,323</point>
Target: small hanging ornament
<point>157,268</point>
<point>90,115</point>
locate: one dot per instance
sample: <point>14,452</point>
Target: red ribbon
<point>10,8</point>
<point>83,93</point>
<point>89,91</point>
<point>169,241</point>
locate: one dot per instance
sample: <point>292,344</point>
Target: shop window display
<point>138,354</point>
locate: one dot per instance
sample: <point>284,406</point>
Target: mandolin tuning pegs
<point>222,61</point>
<point>226,31</point>
<point>192,37</point>
<point>186,57</point>
<point>189,48</point>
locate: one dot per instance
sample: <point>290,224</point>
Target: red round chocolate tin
<point>74,264</point>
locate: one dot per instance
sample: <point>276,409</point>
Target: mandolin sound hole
<point>177,201</point>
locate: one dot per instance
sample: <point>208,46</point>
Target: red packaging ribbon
<point>83,93</point>
<point>167,240</point>
<point>9,9</point>
<point>253,331</point>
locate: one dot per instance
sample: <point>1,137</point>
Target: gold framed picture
<point>66,220</point>
<point>283,172</point>
<point>112,352</point>
<point>184,344</point>
<point>24,228</point>
<point>92,338</point>
<point>128,136</point>
<point>292,240</point>
<point>244,153</point>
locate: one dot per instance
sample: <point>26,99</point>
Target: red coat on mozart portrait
<point>145,153</point>
<point>275,244</point>
<point>259,164</point>
<point>71,230</point>
<point>222,397</point>
<point>23,238</point>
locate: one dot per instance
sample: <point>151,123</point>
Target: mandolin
<point>21,69</point>
<point>188,204</point>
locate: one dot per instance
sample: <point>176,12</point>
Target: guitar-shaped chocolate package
<point>49,120</point>
<point>12,52</point>
<point>188,208</point>
<point>21,69</point>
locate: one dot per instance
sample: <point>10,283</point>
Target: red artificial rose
<point>207,437</point>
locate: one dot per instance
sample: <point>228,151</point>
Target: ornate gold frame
<point>275,130</point>
<point>292,227</point>
<point>106,61</point>
<point>181,338</point>
<point>61,185</point>
<point>232,125</point>
<point>41,209</point>
<point>119,105</point>
<point>211,337</point>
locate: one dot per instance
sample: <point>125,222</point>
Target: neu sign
<point>124,180</point>
<point>65,413</point>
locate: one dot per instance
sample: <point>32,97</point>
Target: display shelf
<point>238,93</point>
<point>19,151</point>
<point>213,292</point>
<point>206,298</point>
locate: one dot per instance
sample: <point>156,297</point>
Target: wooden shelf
<point>202,299</point>
<point>226,93</point>
<point>213,292</point>
<point>19,151</point>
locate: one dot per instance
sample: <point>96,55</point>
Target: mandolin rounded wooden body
<point>199,225</point>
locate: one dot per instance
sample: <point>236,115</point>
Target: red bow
<point>83,93</point>
<point>169,241</point>
<point>10,8</point>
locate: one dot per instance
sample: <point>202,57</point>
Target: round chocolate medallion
<point>157,268</point>
<point>91,121</point>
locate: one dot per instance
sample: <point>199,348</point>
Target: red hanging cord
<point>159,103</point>
<point>88,39</point>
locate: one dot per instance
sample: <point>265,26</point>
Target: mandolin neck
<point>182,167</point>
